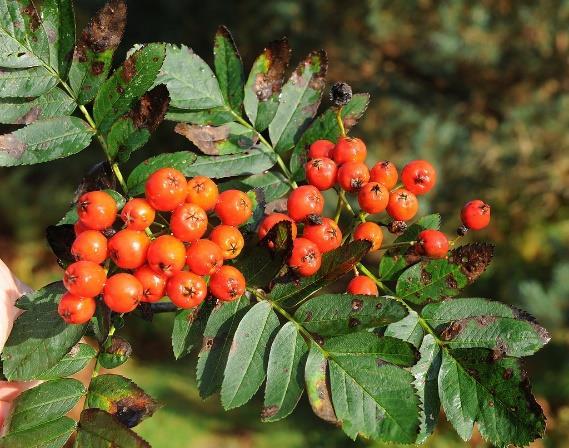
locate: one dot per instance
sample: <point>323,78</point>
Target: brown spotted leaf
<point>229,138</point>
<point>51,104</point>
<point>473,259</point>
<point>188,328</point>
<point>317,386</point>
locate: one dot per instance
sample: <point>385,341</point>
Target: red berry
<point>167,255</point>
<point>186,289</point>
<point>385,173</point>
<point>373,198</point>
<point>475,214</point>
<point>90,245</point>
<point>432,243</point>
<point>204,257</point>
<point>227,284</point>
<point>188,222</point>
<point>234,208</point>
<point>229,239</point>
<point>137,214</point>
<point>97,210</point>
<point>305,258</point>
<point>402,205</point>
<point>320,148</point>
<point>123,292</point>
<point>273,219</point>
<point>352,176</point>
<point>76,310</point>
<point>419,177</point>
<point>153,283</point>
<point>304,201</point>
<point>166,189</point>
<point>321,173</point>
<point>128,248</point>
<point>369,231</point>
<point>202,191</point>
<point>84,279</point>
<point>362,285</point>
<point>349,149</point>
<point>327,235</point>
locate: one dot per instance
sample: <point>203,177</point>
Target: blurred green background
<point>479,88</point>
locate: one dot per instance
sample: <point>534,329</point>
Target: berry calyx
<point>349,149</point>
<point>202,191</point>
<point>419,177</point>
<point>475,215</point>
<point>227,284</point>
<point>186,289</point>
<point>352,176</point>
<point>97,210</point>
<point>321,173</point>
<point>432,243</point>
<point>373,198</point>
<point>76,310</point>
<point>304,201</point>
<point>204,257</point>
<point>234,208</point>
<point>385,173</point>
<point>137,214</point>
<point>305,259</point>
<point>188,222</point>
<point>362,285</point>
<point>90,245</point>
<point>153,283</point>
<point>128,248</point>
<point>402,205</point>
<point>326,234</point>
<point>123,292</point>
<point>369,231</point>
<point>229,239</point>
<point>166,189</point>
<point>321,148</point>
<point>167,255</point>
<point>84,279</point>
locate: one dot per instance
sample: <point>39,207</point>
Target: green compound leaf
<point>298,101</point>
<point>285,374</point>
<point>426,373</point>
<point>94,51</point>
<point>190,81</point>
<point>25,111</point>
<point>26,83</point>
<point>217,338</point>
<point>317,386</point>
<point>326,126</point>
<point>40,338</point>
<point>75,361</point>
<point>273,185</point>
<point>228,68</point>
<point>52,434</point>
<point>407,329</point>
<point>98,429</point>
<point>189,326</point>
<point>473,322</point>
<point>335,264</point>
<point>44,403</point>
<point>127,84</point>
<point>265,82</point>
<point>59,25</point>
<point>248,357</point>
<point>372,398</point>
<point>229,138</point>
<point>474,387</point>
<point>335,314</point>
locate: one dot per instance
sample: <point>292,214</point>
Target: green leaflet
<point>189,326</point>
<point>317,388</point>
<point>213,117</point>
<point>75,361</point>
<point>273,184</point>
<point>97,427</point>
<point>25,111</point>
<point>59,25</point>
<point>52,434</point>
<point>228,68</point>
<point>285,375</point>
<point>248,357</point>
<point>25,83</point>
<point>407,329</point>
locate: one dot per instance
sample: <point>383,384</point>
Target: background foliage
<point>479,88</point>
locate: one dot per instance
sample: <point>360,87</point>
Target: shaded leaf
<point>228,68</point>
<point>407,329</point>
<point>25,111</point>
<point>53,434</point>
<point>58,22</point>
<point>229,138</point>
<point>25,83</point>
<point>60,240</point>
<point>189,326</point>
<point>273,184</point>
<point>317,387</point>
<point>98,429</point>
<point>75,361</point>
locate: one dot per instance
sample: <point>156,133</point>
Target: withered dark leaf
<point>150,110</point>
<point>473,259</point>
<point>105,30</point>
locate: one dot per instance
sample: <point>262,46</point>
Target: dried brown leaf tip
<point>277,55</point>
<point>473,259</point>
<point>318,60</point>
<point>32,13</point>
<point>105,30</point>
<point>151,109</point>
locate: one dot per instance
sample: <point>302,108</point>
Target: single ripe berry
<point>234,208</point>
<point>153,283</point>
<point>362,285</point>
<point>326,235</point>
<point>84,279</point>
<point>204,257</point>
<point>167,255</point>
<point>373,197</point>
<point>79,228</point>
<point>202,191</point>
<point>419,177</point>
<point>304,201</point>
<point>321,173</point>
<point>369,231</point>
<point>352,176</point>
<point>123,292</point>
<point>76,310</point>
<point>321,148</point>
<point>272,220</point>
<point>349,149</point>
<point>186,289</point>
<point>475,215</point>
<point>90,245</point>
<point>385,173</point>
<point>229,239</point>
<point>305,258</point>
<point>402,205</point>
<point>166,189</point>
<point>188,222</point>
<point>227,284</point>
<point>97,210</point>
<point>128,248</point>
<point>137,214</point>
<point>432,244</point>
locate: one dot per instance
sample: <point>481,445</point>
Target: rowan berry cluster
<point>137,264</point>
